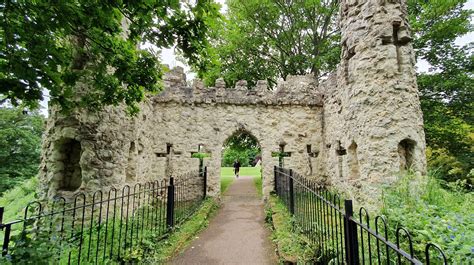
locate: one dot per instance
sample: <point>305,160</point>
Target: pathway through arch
<point>237,234</point>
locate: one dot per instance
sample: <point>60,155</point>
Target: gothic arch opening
<point>70,151</point>
<point>243,148</point>
<point>406,148</point>
<point>353,162</point>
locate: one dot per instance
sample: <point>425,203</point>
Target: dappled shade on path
<point>237,234</point>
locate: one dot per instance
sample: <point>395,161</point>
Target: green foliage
<point>245,157</point>
<point>447,92</point>
<point>257,180</point>
<point>448,167</point>
<point>286,38</point>
<point>292,246</point>
<point>54,45</point>
<point>241,146</point>
<point>15,200</point>
<point>433,214</point>
<point>20,146</point>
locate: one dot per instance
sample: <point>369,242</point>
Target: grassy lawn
<point>227,177</point>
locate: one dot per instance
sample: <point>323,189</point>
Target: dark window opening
<point>340,151</point>
<point>353,161</point>
<point>71,178</point>
<point>405,152</point>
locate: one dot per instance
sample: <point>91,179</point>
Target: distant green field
<point>227,177</point>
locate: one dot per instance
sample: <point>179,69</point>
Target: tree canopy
<point>447,90</point>
<point>261,39</point>
<point>20,145</point>
<point>54,44</point>
<point>241,146</point>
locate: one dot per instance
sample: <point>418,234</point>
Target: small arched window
<point>406,148</point>
<point>69,156</point>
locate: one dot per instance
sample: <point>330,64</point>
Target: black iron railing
<point>103,226</point>
<point>338,235</point>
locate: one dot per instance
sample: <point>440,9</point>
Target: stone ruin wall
<point>116,149</point>
<point>356,131</point>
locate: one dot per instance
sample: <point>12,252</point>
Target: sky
<point>168,55</point>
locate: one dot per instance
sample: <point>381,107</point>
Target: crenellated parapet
<point>296,90</point>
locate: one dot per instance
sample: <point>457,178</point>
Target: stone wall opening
<point>340,152</point>
<point>71,176</point>
<point>353,162</point>
<point>405,152</point>
<point>246,149</point>
<point>130,173</point>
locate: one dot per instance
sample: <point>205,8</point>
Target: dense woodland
<point>52,47</point>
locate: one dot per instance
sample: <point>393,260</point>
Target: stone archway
<point>246,140</point>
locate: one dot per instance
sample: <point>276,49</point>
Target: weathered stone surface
<point>356,130</point>
<point>375,107</point>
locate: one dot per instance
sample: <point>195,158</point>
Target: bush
<point>448,167</point>
<point>433,214</point>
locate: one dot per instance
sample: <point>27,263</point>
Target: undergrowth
<point>15,200</point>
<point>292,246</point>
<point>433,214</point>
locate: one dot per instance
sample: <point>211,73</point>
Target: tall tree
<point>20,146</point>
<point>447,90</point>
<point>54,44</point>
<point>271,39</point>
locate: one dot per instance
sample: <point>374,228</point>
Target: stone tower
<point>373,120</point>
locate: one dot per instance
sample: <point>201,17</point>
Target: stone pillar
<point>267,171</point>
<point>380,123</point>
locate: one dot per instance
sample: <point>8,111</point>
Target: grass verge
<point>292,247</point>
<point>183,235</point>
<point>16,199</point>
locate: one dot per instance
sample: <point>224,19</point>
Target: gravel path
<point>237,234</point>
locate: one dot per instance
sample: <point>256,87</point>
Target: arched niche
<point>406,148</point>
<point>353,161</point>
<point>68,156</point>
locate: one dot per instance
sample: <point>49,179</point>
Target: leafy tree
<point>242,147</point>
<point>20,146</point>
<point>263,39</point>
<point>54,44</point>
<point>447,91</point>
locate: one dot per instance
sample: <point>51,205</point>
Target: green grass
<point>16,199</point>
<point>292,246</point>
<point>227,177</point>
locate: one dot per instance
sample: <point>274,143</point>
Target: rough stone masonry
<point>356,130</point>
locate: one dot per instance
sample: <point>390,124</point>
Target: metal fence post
<point>350,231</point>
<point>205,182</point>
<point>292,194</point>
<point>170,205</point>
<point>6,236</point>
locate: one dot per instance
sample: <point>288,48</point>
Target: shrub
<point>433,214</point>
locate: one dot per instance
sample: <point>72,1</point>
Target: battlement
<point>296,90</point>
